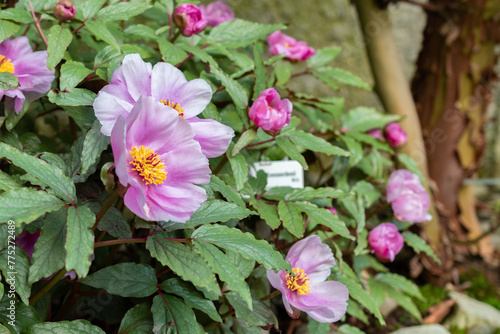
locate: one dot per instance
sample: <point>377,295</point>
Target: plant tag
<point>283,173</point>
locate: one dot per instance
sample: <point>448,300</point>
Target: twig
<point>37,24</point>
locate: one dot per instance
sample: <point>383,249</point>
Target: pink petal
<point>214,137</point>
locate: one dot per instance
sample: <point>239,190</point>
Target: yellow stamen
<point>6,65</point>
<point>299,282</point>
<point>148,164</point>
<point>287,45</point>
<point>174,105</point>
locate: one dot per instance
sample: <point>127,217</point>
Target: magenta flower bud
<point>375,133</point>
<point>217,12</point>
<point>332,210</point>
<point>395,135</point>
<point>271,113</point>
<point>385,241</point>
<point>409,199</point>
<point>280,43</point>
<point>64,10</point>
<point>26,241</point>
<point>189,19</point>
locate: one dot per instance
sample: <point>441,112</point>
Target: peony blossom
<point>280,43</point>
<point>395,135</point>
<point>307,290</point>
<point>269,112</point>
<point>409,199</point>
<point>30,68</point>
<point>167,84</point>
<point>64,10</point>
<point>385,241</point>
<point>189,19</point>
<point>157,157</point>
<point>217,12</point>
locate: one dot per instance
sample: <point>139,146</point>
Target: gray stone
<point>423,329</point>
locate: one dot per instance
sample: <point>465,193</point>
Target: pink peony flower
<point>308,290</point>
<point>280,43</point>
<point>385,241</point>
<point>269,112</point>
<point>395,134</point>
<point>30,68</point>
<point>64,10</point>
<point>157,157</point>
<point>189,19</point>
<point>375,133</point>
<point>217,12</point>
<point>167,84</point>
<point>409,199</point>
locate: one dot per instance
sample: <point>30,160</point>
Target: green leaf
<point>72,97</point>
<point>364,118</point>
<point>356,311</point>
<point>316,327</point>
<point>324,56</point>
<point>370,140</point>
<point>325,217</point>
<point>172,315</point>
<point>215,210</point>
<point>93,146</point>
<point>7,182</point>
<point>225,269</point>
<point>239,33</point>
<point>234,89</point>
<point>58,41</point>
<point>260,71</point>
<point>399,282</point>
<point>101,31</point>
<point>245,266</point>
<point>49,253</point>
<point>8,81</point>
<point>24,205</point>
<point>291,150</point>
<point>90,8</point>
<point>245,139</point>
<point>137,320</point>
<point>283,72</point>
<point>140,30</point>
<point>72,73</point>
<point>7,29</point>
<point>16,15</point>
<point>309,193</point>
<point>183,261</point>
<point>269,213</point>
<point>192,297</point>
<point>115,224</point>
<point>240,169</point>
<point>419,245</point>
<point>367,192</point>
<point>292,218</point>
<point>16,265</point>
<point>79,239</point>
<point>343,76</point>
<point>83,116</point>
<point>314,143</point>
<point>412,166</point>
<point>25,316</point>
<point>242,243</point>
<point>171,53</point>
<point>405,302</point>
<point>218,185</point>
<point>259,315</point>
<point>124,279</point>
<point>348,329</point>
<point>65,327</point>
<point>123,10</point>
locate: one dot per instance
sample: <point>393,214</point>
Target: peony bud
<point>280,43</point>
<point>64,10</point>
<point>189,19</point>
<point>332,210</point>
<point>375,133</point>
<point>395,135</point>
<point>271,113</point>
<point>217,12</point>
<point>385,241</point>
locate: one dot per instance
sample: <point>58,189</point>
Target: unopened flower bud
<point>385,241</point>
<point>271,113</point>
<point>395,135</point>
<point>217,12</point>
<point>189,19</point>
<point>64,10</point>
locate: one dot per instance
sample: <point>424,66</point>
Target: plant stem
<point>40,293</point>
<point>120,242</point>
<point>37,24</point>
<point>105,208</point>
<point>262,142</point>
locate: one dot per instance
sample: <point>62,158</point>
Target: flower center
<point>148,164</point>
<point>299,282</point>
<point>287,45</point>
<point>174,105</point>
<point>6,65</point>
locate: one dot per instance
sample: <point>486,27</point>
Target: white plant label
<point>284,173</point>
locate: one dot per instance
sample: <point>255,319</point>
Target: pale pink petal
<point>214,137</point>
<point>137,75</point>
<point>108,108</point>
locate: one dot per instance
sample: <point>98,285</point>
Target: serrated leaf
<point>7,29</point>
<point>356,311</point>
<point>49,253</point>
<point>25,316</point>
<point>364,118</point>
<point>93,146</point>
<point>191,296</point>
<point>240,33</point>
<point>171,53</point>
<point>65,327</point>
<point>316,144</point>
<point>405,302</point>
<point>292,218</point>
<point>24,205</point>
<point>245,139</point>
<point>245,266</point>
<point>240,169</point>
<point>8,81</point>
<point>79,244</point>
<point>72,73</point>
<point>115,224</point>
<point>234,89</point>
<point>362,242</point>
<point>401,283</point>
<point>225,269</point>
<point>419,245</point>
<point>72,97</point>
<point>90,8</point>
<point>267,212</point>
<point>316,327</point>
<point>343,76</point>
<point>324,56</point>
<point>183,260</point>
<point>124,279</point>
<point>291,150</point>
<point>259,315</point>
<point>137,320</point>
<point>101,31</point>
<point>7,182</point>
<point>16,265</point>
<point>123,10</point>
<point>140,30</point>
<point>324,217</point>
<point>260,72</point>
<point>283,71</point>
<point>50,175</point>
<point>58,41</point>
<point>16,15</point>
<point>218,185</point>
<point>83,116</point>
<point>309,193</point>
<point>172,315</point>
<point>242,243</point>
<point>215,210</point>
